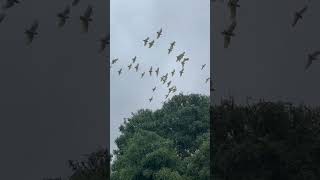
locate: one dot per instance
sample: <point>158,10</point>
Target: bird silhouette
<point>170,50</point>
<point>312,57</point>
<point>207,79</point>
<point>157,72</point>
<point>233,5</point>
<point>180,56</point>
<point>142,75</point>
<point>32,31</point>
<point>114,61</point>
<point>137,67</point>
<point>172,72</point>
<point>153,89</point>
<point>130,65</point>
<point>159,33</point>
<point>183,63</point>
<point>185,59</point>
<point>151,43</point>
<point>134,59</point>
<point>120,70</point>
<point>75,2</point>
<point>150,99</point>
<point>104,41</point>
<point>10,3</point>
<point>181,72</point>
<point>146,41</point>
<point>86,18</point>
<point>63,16</point>
<point>168,84</point>
<point>173,44</point>
<point>202,67</point>
<point>2,16</point>
<point>298,15</point>
<point>150,71</point>
<point>229,33</point>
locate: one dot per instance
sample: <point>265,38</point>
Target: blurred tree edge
<point>265,141</point>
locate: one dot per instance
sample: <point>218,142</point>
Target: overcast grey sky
<point>185,21</point>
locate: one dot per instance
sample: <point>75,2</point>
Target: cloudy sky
<point>185,21</point>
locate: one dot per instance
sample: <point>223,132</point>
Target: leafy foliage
<point>171,143</point>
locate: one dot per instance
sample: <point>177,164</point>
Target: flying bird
<point>170,50</point>
<point>298,15</point>
<point>146,41</point>
<point>32,31</point>
<point>2,16</point>
<point>114,61</point>
<point>181,72</point>
<point>10,3</point>
<point>179,57</point>
<point>228,34</point>
<point>130,65</point>
<point>157,71</point>
<point>142,75</point>
<point>202,67</point>
<point>151,43</point>
<point>137,67</point>
<point>86,18</point>
<point>63,16</point>
<point>182,63</point>
<point>172,44</point>
<point>168,84</point>
<point>150,71</point>
<point>153,89</point>
<point>150,99</point>
<point>104,41</point>
<point>159,33</point>
<point>134,59</point>
<point>312,57</point>
<point>120,70</point>
<point>75,2</point>
<point>172,72</point>
<point>233,5</point>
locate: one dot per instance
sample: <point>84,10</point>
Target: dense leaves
<point>171,143</point>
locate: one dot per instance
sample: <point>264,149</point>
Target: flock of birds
<point>228,33</point>
<point>62,17</point>
<point>155,71</point>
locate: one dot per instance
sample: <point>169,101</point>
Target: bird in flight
<point>114,61</point>
<point>153,89</point>
<point>202,67</point>
<point>151,43</point>
<point>142,75</point>
<point>170,50</point>
<point>146,41</point>
<point>63,16</point>
<point>150,71</point>
<point>120,70</point>
<point>159,33</point>
<point>172,72</point>
<point>130,65</point>
<point>233,5</point>
<point>10,3</point>
<point>168,84</point>
<point>157,71</point>
<point>173,44</point>
<point>181,72</point>
<point>182,63</point>
<point>179,57</point>
<point>312,57</point>
<point>150,99</point>
<point>86,18</point>
<point>104,41</point>
<point>32,31</point>
<point>137,67</point>
<point>228,34</point>
<point>2,16</point>
<point>207,79</point>
<point>75,2</point>
<point>298,15</point>
<point>134,59</point>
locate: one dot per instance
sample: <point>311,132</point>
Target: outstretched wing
<point>295,20</point>
<point>317,53</point>
<point>303,10</point>
<point>232,26</point>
